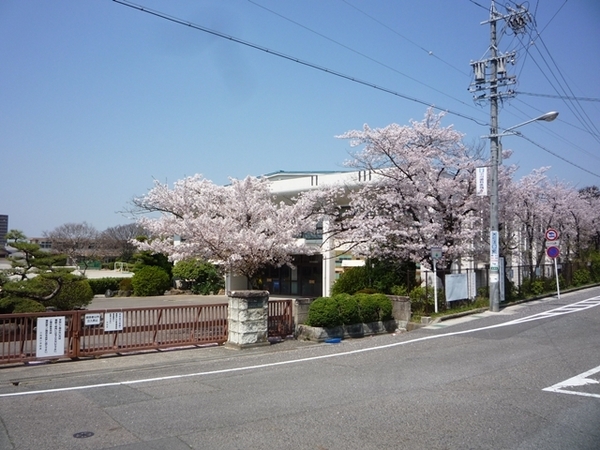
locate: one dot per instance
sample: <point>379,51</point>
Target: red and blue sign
<point>551,234</point>
<point>552,252</point>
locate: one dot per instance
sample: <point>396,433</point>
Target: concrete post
<point>248,318</point>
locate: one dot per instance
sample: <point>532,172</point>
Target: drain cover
<point>83,434</point>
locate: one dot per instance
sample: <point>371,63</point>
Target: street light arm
<point>548,117</point>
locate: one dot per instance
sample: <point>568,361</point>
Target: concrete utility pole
<point>489,85</point>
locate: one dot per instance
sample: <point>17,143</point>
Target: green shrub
<point>125,285</point>
<point>72,295</point>
<point>400,290</point>
<point>351,281</point>
<point>348,308</point>
<point>323,312</point>
<point>422,299</point>
<point>367,291</point>
<point>16,305</point>
<point>595,267</point>
<point>385,307</point>
<point>532,287</point>
<point>581,276</point>
<point>150,280</point>
<point>369,307</point>
<point>101,285</point>
<point>202,277</point>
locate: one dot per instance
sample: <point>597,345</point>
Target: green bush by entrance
<point>345,309</point>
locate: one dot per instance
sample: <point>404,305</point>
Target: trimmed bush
<point>348,308</point>
<point>385,307</point>
<point>150,280</point>
<point>101,285</point>
<point>369,307</point>
<point>323,312</point>
<point>73,295</point>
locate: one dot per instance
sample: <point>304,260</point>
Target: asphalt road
<point>525,378</point>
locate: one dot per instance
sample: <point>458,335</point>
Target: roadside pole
<point>436,254</point>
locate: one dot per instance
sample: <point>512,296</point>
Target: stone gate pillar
<point>248,318</point>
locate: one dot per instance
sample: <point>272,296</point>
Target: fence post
<point>75,334</point>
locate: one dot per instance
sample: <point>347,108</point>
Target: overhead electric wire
<point>293,59</point>
<point>329,71</point>
<point>429,52</point>
<point>590,122</point>
<point>562,97</point>
<point>481,6</point>
<point>362,54</point>
<point>555,154</point>
<point>549,130</point>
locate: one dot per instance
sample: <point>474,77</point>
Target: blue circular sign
<point>552,252</point>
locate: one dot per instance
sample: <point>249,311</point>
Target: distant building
<point>3,231</point>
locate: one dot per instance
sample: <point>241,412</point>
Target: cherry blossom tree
<point>536,204</point>
<point>238,225</point>
<point>422,193</point>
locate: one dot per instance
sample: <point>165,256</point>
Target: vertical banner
<point>494,250</point>
<point>50,333</point>
<point>481,175</point>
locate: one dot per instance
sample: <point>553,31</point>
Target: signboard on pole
<point>494,250</point>
<point>481,182</point>
<point>436,253</point>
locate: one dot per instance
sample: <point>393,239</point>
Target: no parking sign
<point>552,252</point>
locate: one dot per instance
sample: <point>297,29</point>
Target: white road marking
<point>585,304</point>
<point>578,380</point>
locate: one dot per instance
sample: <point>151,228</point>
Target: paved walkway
<point>102,302</point>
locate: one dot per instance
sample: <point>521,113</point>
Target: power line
<point>293,59</point>
<point>329,71</point>
<point>362,54</point>
<point>558,136</point>
<point>562,97</point>
<point>555,154</point>
<point>480,5</point>
<point>429,52</point>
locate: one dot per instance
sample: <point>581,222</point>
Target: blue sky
<point>98,99</point>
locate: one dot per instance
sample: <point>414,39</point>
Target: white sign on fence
<point>92,319</point>
<point>50,334</point>
<point>113,321</point>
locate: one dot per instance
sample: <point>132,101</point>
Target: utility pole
<point>491,84</point>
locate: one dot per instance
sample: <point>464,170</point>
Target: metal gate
<point>99,332</point>
<point>281,318</point>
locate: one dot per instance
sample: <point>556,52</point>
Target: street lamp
<point>494,273</point>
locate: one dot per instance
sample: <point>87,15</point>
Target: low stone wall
<point>358,330</point>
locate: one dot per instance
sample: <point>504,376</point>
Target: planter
<point>357,330</point>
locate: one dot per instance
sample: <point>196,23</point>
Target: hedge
<point>345,309</point>
<point>101,285</point>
